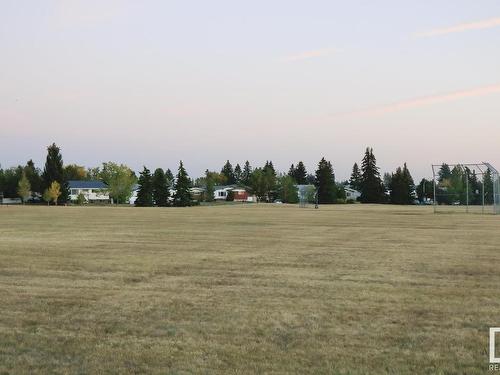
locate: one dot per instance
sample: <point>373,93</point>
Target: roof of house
<point>227,187</point>
<point>74,184</point>
<point>224,187</point>
<point>350,189</point>
<point>303,188</point>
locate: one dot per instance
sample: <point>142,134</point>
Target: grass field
<point>347,289</point>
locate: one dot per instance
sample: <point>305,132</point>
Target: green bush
<point>81,199</point>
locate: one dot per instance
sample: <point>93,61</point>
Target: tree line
<point>458,185</point>
<point>162,188</point>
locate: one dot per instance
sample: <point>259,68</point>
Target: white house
<point>221,192</point>
<point>133,197</point>
<point>351,193</point>
<point>92,191</point>
<point>239,194</point>
<point>135,190</point>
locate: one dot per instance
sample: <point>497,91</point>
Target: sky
<point>153,82</point>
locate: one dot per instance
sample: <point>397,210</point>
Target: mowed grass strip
<point>352,289</point>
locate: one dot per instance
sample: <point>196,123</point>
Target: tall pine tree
<point>54,171</point>
<point>325,182</point>
<point>227,170</point>
<point>402,186</point>
<point>33,175</point>
<point>160,188</point>
<point>425,190</point>
<point>245,175</point>
<point>356,180</point>
<point>488,187</point>
<point>145,191</point>
<point>182,196</point>
<point>237,174</point>
<point>170,178</point>
<point>372,190</point>
<point>300,174</point>
<point>291,172</point>
<point>269,180</point>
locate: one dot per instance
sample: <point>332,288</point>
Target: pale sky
<point>153,82</point>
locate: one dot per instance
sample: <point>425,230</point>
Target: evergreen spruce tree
<point>356,179</point>
<point>372,190</point>
<point>457,185</point>
<point>409,185</point>
<point>54,171</point>
<point>182,196</point>
<point>325,182</point>
<point>33,175</point>
<point>474,187</point>
<point>170,178</point>
<point>395,187</point>
<point>311,179</point>
<point>444,172</point>
<point>488,187</point>
<point>425,190</point>
<point>237,174</point>
<point>160,188</point>
<point>227,170</point>
<point>300,175</point>
<point>291,172</point>
<point>145,191</point>
<point>401,186</point>
<point>269,167</point>
<point>209,186</point>
<point>245,175</point>
<point>444,189</point>
<point>269,181</point>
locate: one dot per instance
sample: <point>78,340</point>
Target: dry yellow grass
<point>246,289</point>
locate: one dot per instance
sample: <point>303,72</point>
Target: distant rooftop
<point>75,184</point>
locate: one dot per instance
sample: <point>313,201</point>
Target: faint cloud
<point>309,54</point>
<point>423,101</point>
<point>484,24</point>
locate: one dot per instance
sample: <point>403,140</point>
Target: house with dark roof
<point>92,191</point>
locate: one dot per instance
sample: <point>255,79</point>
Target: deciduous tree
<point>120,180</point>
<point>287,189</point>
<point>54,192</point>
<point>24,188</point>
<point>75,172</point>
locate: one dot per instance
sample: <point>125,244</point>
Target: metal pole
<point>483,194</point>
<point>434,182</point>
<point>467,191</point>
